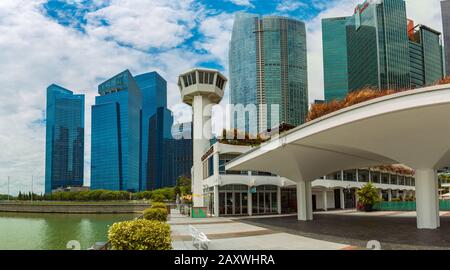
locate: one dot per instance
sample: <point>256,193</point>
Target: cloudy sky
<point>78,44</point>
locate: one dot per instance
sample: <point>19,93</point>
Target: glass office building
<point>268,66</point>
<point>445,8</point>
<point>426,56</point>
<point>153,88</point>
<point>378,46</point>
<point>64,152</point>
<point>159,150</point>
<point>116,135</point>
<point>335,58</point>
<point>384,50</point>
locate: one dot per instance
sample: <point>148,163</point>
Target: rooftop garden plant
<point>355,97</point>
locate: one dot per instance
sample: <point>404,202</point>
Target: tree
<point>368,196</point>
<point>183,186</point>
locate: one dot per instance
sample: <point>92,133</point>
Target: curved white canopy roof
<point>411,128</point>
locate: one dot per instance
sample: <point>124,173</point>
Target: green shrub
<point>147,195</point>
<point>159,205</point>
<point>140,235</point>
<point>158,197</point>
<point>368,195</point>
<point>158,214</point>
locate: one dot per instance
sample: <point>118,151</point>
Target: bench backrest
<point>197,234</point>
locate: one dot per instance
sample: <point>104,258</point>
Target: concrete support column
<point>427,199</point>
<point>304,201</point>
<point>216,164</point>
<point>325,200</point>
<point>279,200</point>
<point>202,134</point>
<point>249,202</point>
<point>341,193</point>
<point>216,200</point>
<point>390,195</point>
<point>357,175</point>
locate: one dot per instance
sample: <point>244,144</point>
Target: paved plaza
<point>394,230</point>
<point>332,230</point>
<point>231,234</point>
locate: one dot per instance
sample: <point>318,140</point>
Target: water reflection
<point>21,231</point>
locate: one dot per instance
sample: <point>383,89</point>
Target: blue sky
<point>78,44</point>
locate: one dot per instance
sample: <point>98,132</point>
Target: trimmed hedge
<point>159,205</point>
<point>158,214</point>
<point>140,235</point>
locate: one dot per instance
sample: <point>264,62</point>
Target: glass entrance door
<point>237,204</point>
<point>230,204</point>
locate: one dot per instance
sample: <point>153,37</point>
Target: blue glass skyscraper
<point>64,152</point>
<point>153,88</point>
<point>268,66</point>
<point>160,158</point>
<point>116,135</point>
<point>182,150</point>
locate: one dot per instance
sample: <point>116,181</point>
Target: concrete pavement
<point>231,234</point>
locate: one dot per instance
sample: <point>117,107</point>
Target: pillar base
<point>304,201</point>
<point>427,206</point>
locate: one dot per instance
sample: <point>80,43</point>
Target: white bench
<point>199,239</point>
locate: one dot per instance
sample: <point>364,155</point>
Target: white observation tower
<point>201,89</point>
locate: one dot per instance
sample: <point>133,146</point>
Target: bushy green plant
<point>159,205</point>
<point>145,195</point>
<point>368,195</point>
<point>159,214</point>
<point>158,197</point>
<point>140,235</point>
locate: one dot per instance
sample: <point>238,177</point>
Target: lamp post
<point>32,180</point>
<point>8,188</point>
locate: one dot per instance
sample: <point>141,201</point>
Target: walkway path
<point>231,234</point>
<point>394,230</point>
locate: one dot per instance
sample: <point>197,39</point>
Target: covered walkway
<point>405,128</point>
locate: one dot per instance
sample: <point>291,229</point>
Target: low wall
<point>73,208</point>
<point>444,205</point>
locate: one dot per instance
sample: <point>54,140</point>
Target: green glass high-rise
<point>378,46</point>
<point>335,64</point>
<point>426,56</point>
<point>382,52</point>
<point>268,66</point>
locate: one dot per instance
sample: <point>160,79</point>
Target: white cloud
<point>144,24</point>
<point>425,12</point>
<point>246,3</point>
<point>36,52</point>
<point>290,5</point>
